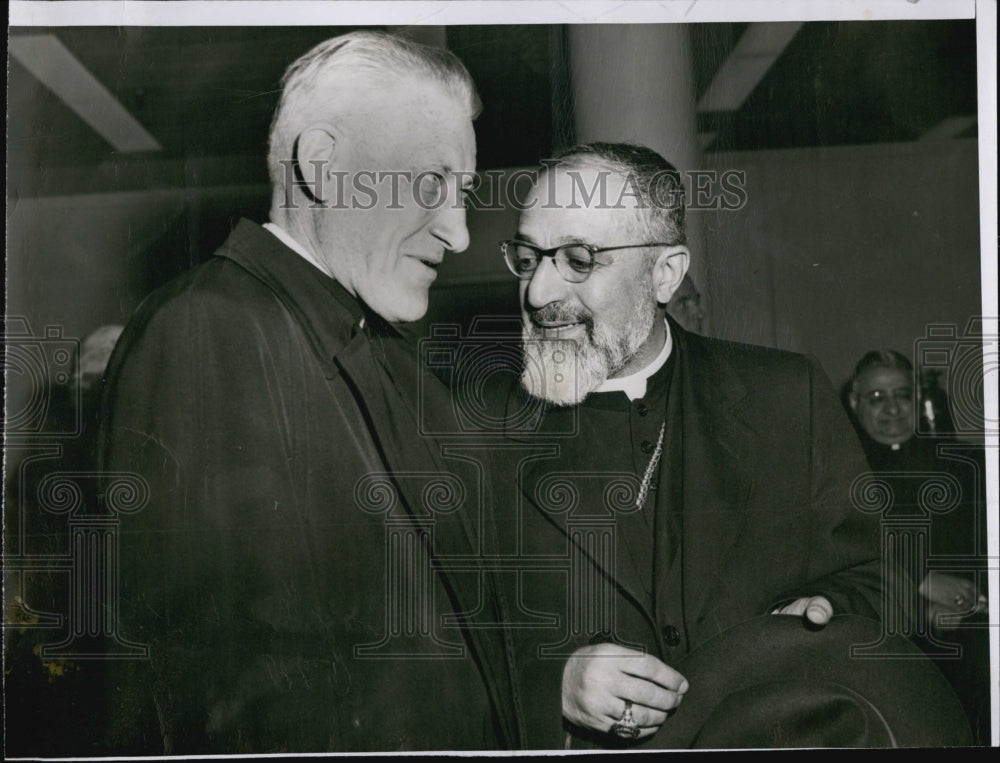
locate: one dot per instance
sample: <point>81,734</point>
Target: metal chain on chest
<point>647,478</point>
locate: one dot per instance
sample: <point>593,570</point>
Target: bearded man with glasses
<point>686,485</point>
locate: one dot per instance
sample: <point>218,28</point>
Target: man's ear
<point>315,159</point>
<point>668,272</point>
<point>852,398</point>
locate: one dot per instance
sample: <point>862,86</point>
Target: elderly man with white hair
<point>269,403</point>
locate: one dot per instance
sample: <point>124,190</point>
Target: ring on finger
<point>626,727</point>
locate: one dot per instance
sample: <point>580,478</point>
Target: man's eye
<point>578,259</point>
<point>879,396</point>
<point>525,260</point>
<point>431,187</point>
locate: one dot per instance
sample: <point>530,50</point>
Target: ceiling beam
<point>61,72</point>
<point>750,59</point>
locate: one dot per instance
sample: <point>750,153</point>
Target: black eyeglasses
<point>574,262</point>
<point>882,396</point>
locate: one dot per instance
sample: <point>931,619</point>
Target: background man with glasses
<point>884,402</point>
<point>737,462</point>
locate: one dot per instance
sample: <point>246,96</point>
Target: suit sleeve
<point>191,411</point>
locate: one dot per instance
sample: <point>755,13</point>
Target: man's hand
<point>816,609</point>
<point>950,595</point>
<point>598,679</point>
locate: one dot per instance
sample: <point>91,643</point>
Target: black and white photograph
<point>499,378</point>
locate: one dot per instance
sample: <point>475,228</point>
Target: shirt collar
<point>328,314</point>
<point>294,245</point>
<point>285,238</point>
<point>634,385</point>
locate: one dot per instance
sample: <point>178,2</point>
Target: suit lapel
<point>712,485</point>
<point>717,444</point>
<point>407,454</point>
<point>405,450</point>
<point>551,427</point>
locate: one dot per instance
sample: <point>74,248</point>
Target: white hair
<point>378,57</point>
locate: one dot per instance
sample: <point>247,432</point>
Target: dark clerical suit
<point>938,485</point>
<point>280,572</point>
<point>748,508</point>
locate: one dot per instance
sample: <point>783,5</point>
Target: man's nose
<point>546,285</point>
<point>449,226</point>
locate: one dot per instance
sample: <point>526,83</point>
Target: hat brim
<point>776,682</point>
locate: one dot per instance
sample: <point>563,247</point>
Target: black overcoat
<point>754,510</point>
<point>279,571</point>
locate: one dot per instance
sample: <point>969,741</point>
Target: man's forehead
<point>587,186</point>
<point>415,116</point>
<point>577,205</point>
<point>884,377</point>
<point>554,226</point>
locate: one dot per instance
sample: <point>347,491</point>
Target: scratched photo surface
<point>833,208</point>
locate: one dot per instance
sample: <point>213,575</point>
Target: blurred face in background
<point>882,399</point>
<point>685,306</point>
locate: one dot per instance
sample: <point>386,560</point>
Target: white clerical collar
<point>634,385</point>
<point>294,245</point>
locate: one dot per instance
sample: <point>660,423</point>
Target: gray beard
<point>564,372</point>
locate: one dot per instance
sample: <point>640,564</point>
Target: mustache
<point>558,313</point>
